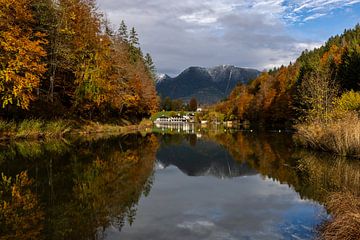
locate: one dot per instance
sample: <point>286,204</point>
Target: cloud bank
<point>206,33</point>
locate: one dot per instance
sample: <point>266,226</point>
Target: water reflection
<point>84,187</point>
<point>182,127</point>
<point>247,186</point>
<point>246,203</point>
<point>199,158</point>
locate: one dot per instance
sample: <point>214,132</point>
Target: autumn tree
<point>21,54</point>
<point>66,55</point>
<point>166,104</point>
<point>193,104</point>
<point>318,91</point>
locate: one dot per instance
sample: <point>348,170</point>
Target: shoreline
<point>34,129</point>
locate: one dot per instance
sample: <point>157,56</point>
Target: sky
<point>257,34</point>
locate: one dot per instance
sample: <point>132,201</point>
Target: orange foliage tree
<point>67,52</point>
<point>21,53</point>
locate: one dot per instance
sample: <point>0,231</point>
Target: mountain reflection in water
<point>247,186</point>
<point>207,158</point>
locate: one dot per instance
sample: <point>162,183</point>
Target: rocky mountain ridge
<point>207,85</point>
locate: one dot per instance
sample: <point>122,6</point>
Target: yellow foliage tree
<point>21,53</point>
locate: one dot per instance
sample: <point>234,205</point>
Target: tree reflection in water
<point>274,155</point>
<point>83,187</point>
<point>76,189</point>
<point>313,175</point>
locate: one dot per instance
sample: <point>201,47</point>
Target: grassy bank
<point>345,222</point>
<point>340,136</point>
<point>37,129</point>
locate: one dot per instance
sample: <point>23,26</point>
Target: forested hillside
<point>62,59</point>
<point>321,82</point>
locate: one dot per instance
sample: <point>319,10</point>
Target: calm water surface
<point>209,185</point>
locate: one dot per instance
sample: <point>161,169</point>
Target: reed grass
<point>56,128</point>
<point>327,173</point>
<point>341,136</point>
<point>345,222</point>
<point>34,128</point>
<point>37,128</point>
<point>7,126</point>
<point>29,128</point>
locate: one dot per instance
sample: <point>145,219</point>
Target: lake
<point>173,184</point>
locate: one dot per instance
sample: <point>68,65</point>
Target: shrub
<point>349,101</point>
<point>145,123</point>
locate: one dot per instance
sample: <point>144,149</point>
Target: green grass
<point>56,128</point>
<point>34,128</point>
<point>37,128</point>
<point>29,128</point>
<point>7,127</point>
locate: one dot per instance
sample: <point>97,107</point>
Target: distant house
<point>175,119</point>
<point>162,119</point>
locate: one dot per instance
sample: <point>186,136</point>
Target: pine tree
<point>108,31</point>
<point>123,32</point>
<point>133,38</point>
<point>349,69</point>
<point>150,64</point>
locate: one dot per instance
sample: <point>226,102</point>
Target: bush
<point>145,123</point>
<point>349,101</point>
<point>214,117</point>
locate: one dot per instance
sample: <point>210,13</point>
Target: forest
<point>63,59</point>
<point>310,88</point>
<point>318,95</point>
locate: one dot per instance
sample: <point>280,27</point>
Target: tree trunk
<point>52,88</point>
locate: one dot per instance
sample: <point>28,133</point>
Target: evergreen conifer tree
<point>134,38</point>
<point>123,32</point>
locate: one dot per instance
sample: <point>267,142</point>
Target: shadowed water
<point>209,185</point>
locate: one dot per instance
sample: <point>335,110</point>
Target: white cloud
<point>248,33</point>
<point>196,224</point>
<point>315,16</point>
<point>305,10</point>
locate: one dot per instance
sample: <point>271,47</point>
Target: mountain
<point>162,77</point>
<point>207,85</point>
<point>205,159</point>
